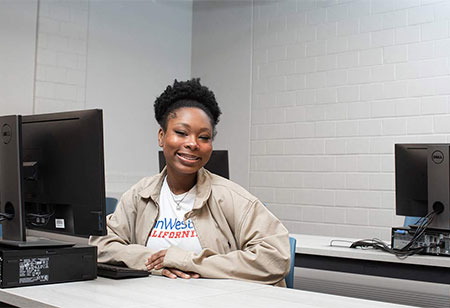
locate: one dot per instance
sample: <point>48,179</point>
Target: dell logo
<point>437,157</point>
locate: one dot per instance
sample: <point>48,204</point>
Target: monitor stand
<point>33,242</point>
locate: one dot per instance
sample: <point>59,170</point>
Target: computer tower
<point>37,266</point>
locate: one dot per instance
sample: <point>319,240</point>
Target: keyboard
<point>119,272</point>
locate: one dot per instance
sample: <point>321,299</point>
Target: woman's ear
<point>160,137</point>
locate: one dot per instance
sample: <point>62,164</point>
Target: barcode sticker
<point>59,223</point>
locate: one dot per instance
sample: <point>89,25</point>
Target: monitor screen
<point>411,180</point>
<point>422,182</point>
<point>217,163</point>
<point>63,182</point>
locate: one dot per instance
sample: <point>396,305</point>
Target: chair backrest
<point>110,205</point>
<point>217,164</point>
<point>290,276</point>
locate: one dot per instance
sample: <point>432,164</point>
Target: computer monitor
<point>59,166</point>
<point>217,164</point>
<point>422,182</point>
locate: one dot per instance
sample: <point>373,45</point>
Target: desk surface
<point>320,246</point>
<point>156,291</point>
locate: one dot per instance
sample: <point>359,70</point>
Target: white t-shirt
<point>170,229</point>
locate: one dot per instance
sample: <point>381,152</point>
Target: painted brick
<point>336,111</point>
<point>382,38</point>
<point>316,80</point>
<point>384,72</point>
<point>435,105</point>
<point>326,63</point>
<point>306,65</point>
<point>347,128</point>
<point>348,94</point>
<point>370,127</point>
<point>359,41</point>
<point>357,146</point>
<point>357,216</point>
<point>382,6</point>
<point>296,51</point>
<point>336,45</point>
<point>408,107</point>
<point>395,19</point>
<point>347,60</point>
<point>316,48</point>
<point>306,97</point>
<point>394,127</point>
<point>435,31</point>
<point>359,75</point>
<point>394,54</point>
<point>410,34</point>
<point>359,110</point>
<point>337,78</point>
<point>371,23</point>
<point>326,31</point>
<point>420,15</point>
<point>347,27</point>
<point>295,82</point>
<point>373,91</point>
<point>369,199</point>
<point>442,124</point>
<point>381,181</point>
<point>371,57</point>
<point>325,129</point>
<point>327,95</point>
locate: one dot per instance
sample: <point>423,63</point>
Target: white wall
<point>17,55</point>
<point>221,54</point>
<point>114,55</point>
<point>135,49</point>
<point>336,84</point>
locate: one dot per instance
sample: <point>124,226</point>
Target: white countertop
<point>156,291</point>
<point>320,245</point>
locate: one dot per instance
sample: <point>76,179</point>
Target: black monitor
<point>217,163</point>
<point>422,182</point>
<point>59,166</point>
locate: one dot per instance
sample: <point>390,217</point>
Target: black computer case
<point>37,266</point>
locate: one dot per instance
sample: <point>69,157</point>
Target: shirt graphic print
<point>171,229</point>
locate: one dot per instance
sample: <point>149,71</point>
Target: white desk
<point>368,273</point>
<point>156,291</point>
<point>315,252</point>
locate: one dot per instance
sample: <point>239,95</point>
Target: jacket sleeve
<point>264,254</point>
<point>120,245</point>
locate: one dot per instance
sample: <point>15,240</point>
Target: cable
<point>406,250</point>
<point>5,216</point>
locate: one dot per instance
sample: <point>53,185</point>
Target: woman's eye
<point>178,132</point>
<point>206,138</point>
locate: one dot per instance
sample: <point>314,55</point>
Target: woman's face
<point>187,142</point>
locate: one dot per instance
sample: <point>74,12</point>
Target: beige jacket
<point>241,239</point>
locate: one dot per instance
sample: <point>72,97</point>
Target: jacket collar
<point>203,187</point>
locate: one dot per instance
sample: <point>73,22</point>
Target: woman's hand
<point>156,262</point>
<point>175,273</point>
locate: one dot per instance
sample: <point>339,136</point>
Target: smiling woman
<point>187,222</point>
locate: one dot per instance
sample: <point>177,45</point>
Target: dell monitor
<point>57,166</point>
<point>422,182</point>
<point>217,163</point>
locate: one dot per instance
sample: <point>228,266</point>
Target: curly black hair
<point>188,93</point>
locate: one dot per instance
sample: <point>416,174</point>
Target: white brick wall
<point>336,84</point>
<point>61,55</point>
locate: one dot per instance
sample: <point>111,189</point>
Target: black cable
<point>406,250</point>
<point>5,216</point>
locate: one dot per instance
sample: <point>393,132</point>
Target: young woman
<point>187,222</point>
